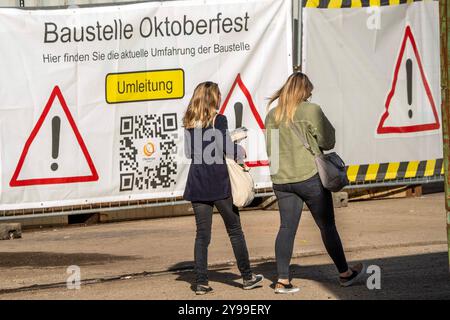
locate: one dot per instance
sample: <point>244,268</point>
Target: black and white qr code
<point>147,151</point>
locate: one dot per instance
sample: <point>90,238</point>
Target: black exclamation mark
<point>238,109</point>
<point>56,125</point>
<point>409,85</point>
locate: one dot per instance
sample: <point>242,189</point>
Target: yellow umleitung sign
<point>144,86</point>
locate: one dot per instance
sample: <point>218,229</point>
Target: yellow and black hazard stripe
<point>336,4</point>
<point>382,172</point>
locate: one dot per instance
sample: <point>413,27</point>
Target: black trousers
<point>230,215</point>
<point>320,202</point>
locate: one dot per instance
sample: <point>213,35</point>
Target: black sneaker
<point>254,282</point>
<point>358,273</point>
<point>285,288</point>
<point>202,289</point>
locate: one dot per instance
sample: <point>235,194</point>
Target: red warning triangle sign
<point>93,176</point>
<point>260,123</point>
<point>425,101</point>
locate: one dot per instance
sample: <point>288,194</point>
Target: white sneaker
<point>285,288</point>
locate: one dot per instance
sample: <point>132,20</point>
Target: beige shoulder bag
<point>242,186</point>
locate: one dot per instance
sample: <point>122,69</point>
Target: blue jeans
<point>230,215</point>
<point>320,202</point>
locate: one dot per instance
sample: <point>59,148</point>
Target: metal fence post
<point>444,12</point>
<point>297,34</point>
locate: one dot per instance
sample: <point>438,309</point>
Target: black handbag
<point>330,166</point>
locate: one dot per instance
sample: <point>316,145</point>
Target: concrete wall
<point>105,217</point>
<point>41,222</point>
<point>9,3</point>
<point>146,213</point>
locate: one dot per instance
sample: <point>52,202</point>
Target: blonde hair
<point>297,89</point>
<point>203,106</point>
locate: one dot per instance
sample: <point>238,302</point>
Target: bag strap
<point>302,138</point>
<point>214,128</point>
<point>214,121</point>
<point>246,169</point>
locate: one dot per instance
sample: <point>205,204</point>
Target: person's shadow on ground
<point>424,276</point>
<point>217,274</point>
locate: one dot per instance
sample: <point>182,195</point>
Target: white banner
<point>376,73</point>
<point>92,98</point>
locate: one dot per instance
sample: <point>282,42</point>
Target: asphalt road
<point>406,238</point>
<point>418,272</point>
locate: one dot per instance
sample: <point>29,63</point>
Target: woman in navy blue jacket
<point>208,183</point>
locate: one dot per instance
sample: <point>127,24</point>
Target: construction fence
<point>79,136</point>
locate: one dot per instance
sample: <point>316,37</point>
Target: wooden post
<point>444,13</point>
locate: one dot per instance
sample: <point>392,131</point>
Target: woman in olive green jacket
<point>295,177</point>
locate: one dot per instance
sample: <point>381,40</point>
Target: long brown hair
<point>297,89</point>
<point>203,106</point>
